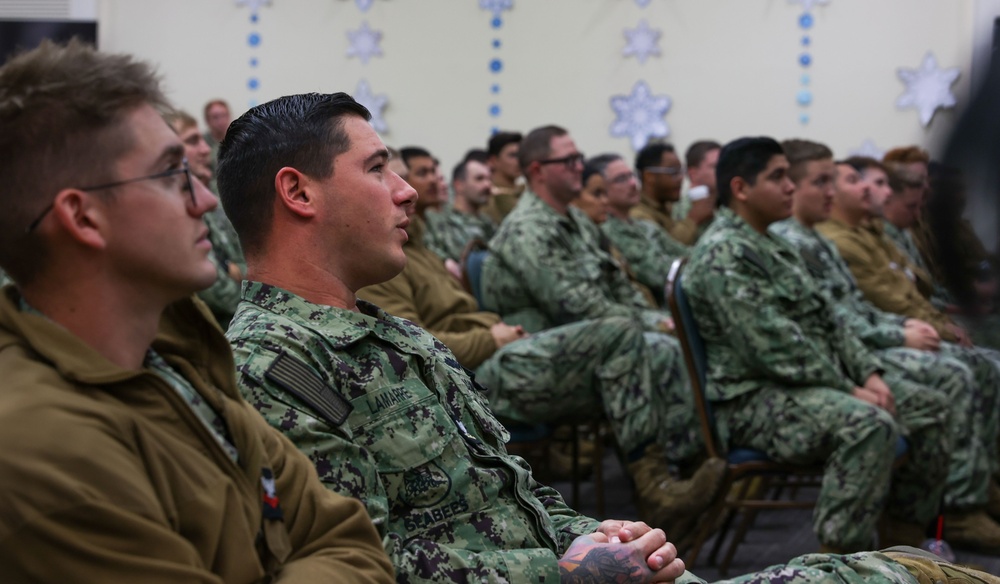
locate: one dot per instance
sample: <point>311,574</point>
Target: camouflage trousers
<point>856,441</point>
<point>972,426</point>
<point>985,365</point>
<point>598,368</point>
<point>894,566</point>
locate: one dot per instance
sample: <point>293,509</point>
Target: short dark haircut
<point>477,154</point>
<point>800,152</point>
<point>62,124</point>
<point>499,140</point>
<point>304,131</point>
<point>461,169</point>
<point>745,158</point>
<point>697,152</point>
<point>408,153</point>
<point>537,145</point>
<point>589,170</point>
<point>651,155</point>
<point>600,162</point>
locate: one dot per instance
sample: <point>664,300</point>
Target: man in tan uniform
<point>884,273</point>
<point>661,173</point>
<point>129,455</point>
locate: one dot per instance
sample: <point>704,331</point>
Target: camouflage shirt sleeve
<point>565,276</point>
<point>748,303</point>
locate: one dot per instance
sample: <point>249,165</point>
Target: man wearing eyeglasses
<point>129,455</point>
<point>546,268</point>
<point>661,174</point>
<point>224,294</point>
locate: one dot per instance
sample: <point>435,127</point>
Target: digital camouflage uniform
<point>390,417</point>
<point>592,369</point>
<point>224,294</point>
<point>781,370</point>
<point>417,444</point>
<point>547,269</point>
<point>648,249</point>
<point>971,386</point>
<point>451,230</point>
<point>683,230</point>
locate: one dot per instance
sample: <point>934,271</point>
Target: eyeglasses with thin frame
<point>622,178</point>
<point>188,186</point>
<point>569,161</point>
<point>667,170</point>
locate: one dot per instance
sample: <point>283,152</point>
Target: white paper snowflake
<point>364,5</point>
<point>254,5</point>
<point>927,88</point>
<point>807,5</point>
<point>375,104</point>
<point>642,41</point>
<point>496,6</point>
<point>642,3</point>
<point>640,115</point>
<point>869,149</point>
<point>364,43</point>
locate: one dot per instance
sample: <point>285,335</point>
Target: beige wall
<point>730,66</point>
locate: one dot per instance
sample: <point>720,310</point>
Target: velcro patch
<point>297,378</point>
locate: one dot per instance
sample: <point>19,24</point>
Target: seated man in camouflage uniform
<point>224,294</point>
<point>648,249</point>
<point>463,221</point>
<point>592,369</point>
<point>787,378</point>
<point>908,348</point>
<point>129,455</point>
<point>547,268</point>
<point>383,408</point>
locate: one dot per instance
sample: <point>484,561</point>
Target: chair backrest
<point>473,257</point>
<point>695,356</point>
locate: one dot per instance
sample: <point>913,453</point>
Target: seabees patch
<point>425,486</point>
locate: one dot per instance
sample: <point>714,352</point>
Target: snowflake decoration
<point>869,149</point>
<point>642,3</point>
<point>496,6</point>
<point>254,5</point>
<point>375,104</point>
<point>807,5</point>
<point>642,41</point>
<point>364,5</point>
<point>640,115</point>
<point>364,43</point>
<point>927,88</point>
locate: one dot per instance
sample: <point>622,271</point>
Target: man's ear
<point>82,216</point>
<point>740,188</point>
<point>295,191</point>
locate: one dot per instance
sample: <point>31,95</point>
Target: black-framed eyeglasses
<point>568,161</point>
<point>188,186</point>
<point>667,170</point>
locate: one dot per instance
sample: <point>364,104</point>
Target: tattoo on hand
<point>601,563</point>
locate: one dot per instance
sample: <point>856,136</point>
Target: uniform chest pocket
<point>407,426</point>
